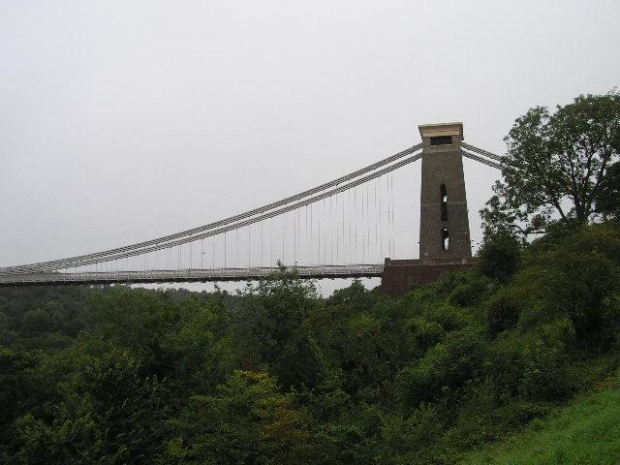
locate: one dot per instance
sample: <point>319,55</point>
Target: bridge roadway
<point>187,275</point>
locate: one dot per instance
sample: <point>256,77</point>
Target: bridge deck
<point>189,275</point>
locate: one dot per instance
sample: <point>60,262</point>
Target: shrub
<point>427,334</point>
<point>502,312</point>
<point>546,376</point>
<point>413,439</point>
<point>449,317</point>
<point>450,281</point>
<point>499,257</point>
<point>445,369</point>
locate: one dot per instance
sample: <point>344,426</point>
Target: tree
<point>248,421</point>
<point>272,331</point>
<point>101,409</point>
<point>556,165</point>
<point>607,203</point>
<point>500,256</point>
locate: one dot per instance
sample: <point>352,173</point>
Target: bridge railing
<point>189,275</point>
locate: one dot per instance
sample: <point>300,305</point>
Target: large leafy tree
<point>556,165</point>
<point>271,328</point>
<point>608,197</point>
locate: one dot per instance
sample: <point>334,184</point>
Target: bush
<point>546,376</point>
<point>502,312</point>
<point>480,417</point>
<point>499,257</point>
<point>576,277</point>
<point>449,281</point>
<point>445,369</point>
<point>469,294</point>
<point>449,317</point>
<point>426,334</point>
<point>413,439</point>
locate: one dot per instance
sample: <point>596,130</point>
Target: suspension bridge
<point>339,229</point>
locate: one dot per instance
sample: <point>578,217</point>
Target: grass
<point>586,432</point>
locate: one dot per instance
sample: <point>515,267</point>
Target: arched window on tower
<point>445,239</point>
<point>444,202</point>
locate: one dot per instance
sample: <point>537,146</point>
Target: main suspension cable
<point>482,152</point>
<point>482,160</point>
<point>81,260</point>
<point>281,211</point>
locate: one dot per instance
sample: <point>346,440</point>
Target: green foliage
<point>247,421</point>
<point>104,407</point>
<point>278,375</point>
<point>271,328</point>
<point>503,311</point>
<point>556,164</point>
<point>499,257</point>
<point>444,370</point>
<point>184,342</point>
<point>46,318</point>
<point>482,418</point>
<point>586,432</point>
<point>413,439</point>
<point>575,277</point>
<point>607,204</point>
<point>546,375</point>
<point>18,395</point>
<point>426,334</point>
<point>355,334</point>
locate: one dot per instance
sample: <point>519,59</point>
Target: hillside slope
<point>585,432</point>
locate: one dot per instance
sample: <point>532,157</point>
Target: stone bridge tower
<point>444,223</point>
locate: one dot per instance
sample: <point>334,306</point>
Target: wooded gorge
<point>278,374</point>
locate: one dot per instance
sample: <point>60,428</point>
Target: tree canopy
<point>278,375</point>
<point>558,165</point>
<point>607,198</point>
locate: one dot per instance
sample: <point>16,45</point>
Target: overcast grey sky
<point>126,120</point>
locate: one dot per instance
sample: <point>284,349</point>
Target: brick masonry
<point>443,212</point>
<point>442,164</point>
<point>400,276</point>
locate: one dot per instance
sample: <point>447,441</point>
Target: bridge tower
<point>444,223</point>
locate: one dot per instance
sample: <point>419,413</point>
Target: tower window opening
<point>441,140</point>
<point>444,202</point>
<point>445,239</point>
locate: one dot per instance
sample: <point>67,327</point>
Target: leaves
<point>278,375</point>
<point>248,421</point>
<point>556,164</point>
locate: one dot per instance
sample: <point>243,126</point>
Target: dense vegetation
<point>279,375</point>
